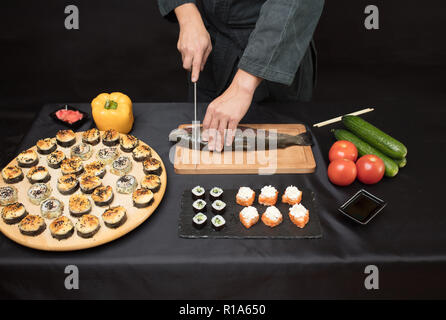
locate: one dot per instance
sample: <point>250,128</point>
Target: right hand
<point>194,42</point>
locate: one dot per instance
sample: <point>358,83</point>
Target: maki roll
<point>121,166</point>
<point>218,222</point>
<point>272,217</point>
<point>128,142</point>
<point>65,138</point>
<point>102,196</point>
<point>89,182</point>
<point>114,217</point>
<point>72,166</point>
<point>39,192</point>
<point>245,196</point>
<point>55,159</point>
<point>96,168</point>
<point>216,193</point>
<point>87,226</point>
<point>126,184</point>
<point>27,159</point>
<point>110,138</point>
<point>142,197</point>
<point>199,220</point>
<point>67,184</point>
<point>249,216</point>
<point>218,207</point>
<point>91,136</point>
<point>82,151</point>
<point>151,166</point>
<point>198,193</point>
<point>107,155</point>
<point>199,206</point>
<point>8,195</point>
<point>141,153</point>
<point>51,208</point>
<point>32,225</point>
<point>46,146</point>
<point>292,195</point>
<point>151,182</point>
<point>78,205</point>
<point>13,213</point>
<point>61,228</point>
<point>299,215</point>
<point>12,174</point>
<point>268,196</point>
<point>38,174</point>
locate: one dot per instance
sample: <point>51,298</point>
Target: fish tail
<point>304,139</point>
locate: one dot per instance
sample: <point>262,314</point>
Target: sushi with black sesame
<point>72,166</point>
<point>91,136</point>
<point>121,166</point>
<point>218,222</point>
<point>78,205</point>
<point>126,184</point>
<point>46,146</point>
<point>87,226</point>
<point>102,196</point>
<point>218,207</point>
<point>8,195</point>
<point>142,198</point>
<point>198,193</point>
<point>38,174</point>
<point>39,192</point>
<point>114,217</point>
<point>51,208</point>
<point>128,142</point>
<point>13,213</point>
<point>96,168</point>
<point>151,182</point>
<point>12,174</point>
<point>199,220</point>
<point>152,166</point>
<point>110,138</point>
<point>82,150</point>
<point>199,205</point>
<point>89,182</point>
<point>55,159</point>
<point>61,228</point>
<point>27,158</point>
<point>141,153</point>
<point>216,193</point>
<point>67,184</point>
<point>32,225</point>
<point>65,138</point>
<point>107,155</point>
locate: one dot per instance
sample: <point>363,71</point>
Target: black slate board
<point>235,229</point>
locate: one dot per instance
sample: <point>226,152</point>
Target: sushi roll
<point>142,198</point>
<point>39,192</point>
<point>152,166</point>
<point>46,146</point>
<point>82,151</point>
<point>299,215</point>
<point>198,193</point>
<point>268,196</point>
<point>216,193</point>
<point>96,168</point>
<point>128,142</point>
<point>292,195</point>
<point>91,136</point>
<point>32,225</point>
<point>121,166</point>
<point>87,226</point>
<point>110,138</point>
<point>72,166</point>
<point>114,217</point>
<point>55,159</point>
<point>245,196</point>
<point>38,174</point>
<point>67,184</point>
<point>199,206</point>
<point>218,222</point>
<point>65,138</point>
<point>218,207</point>
<point>61,228</point>
<point>151,182</point>
<point>249,216</point>
<point>51,208</point>
<point>78,205</point>
<point>107,155</point>
<point>272,217</point>
<point>13,213</point>
<point>8,195</point>
<point>199,220</point>
<point>103,196</point>
<point>12,174</point>
<point>141,153</point>
<point>126,184</point>
<point>27,159</point>
<point>89,182</point>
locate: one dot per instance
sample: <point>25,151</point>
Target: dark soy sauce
<point>362,207</point>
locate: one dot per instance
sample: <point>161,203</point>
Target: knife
<point>196,130</point>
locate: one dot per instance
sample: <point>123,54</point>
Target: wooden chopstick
<point>337,119</point>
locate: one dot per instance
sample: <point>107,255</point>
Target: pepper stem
<point>110,104</point>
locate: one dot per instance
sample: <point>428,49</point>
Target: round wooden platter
<point>45,241</point>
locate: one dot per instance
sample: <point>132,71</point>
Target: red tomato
<point>342,172</point>
<point>371,169</point>
<point>343,149</point>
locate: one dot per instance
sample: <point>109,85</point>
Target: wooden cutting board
<point>295,159</point>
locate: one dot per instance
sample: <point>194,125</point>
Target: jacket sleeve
<point>167,6</point>
<point>280,39</point>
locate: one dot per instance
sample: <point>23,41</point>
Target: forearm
<point>188,13</point>
<point>246,82</point>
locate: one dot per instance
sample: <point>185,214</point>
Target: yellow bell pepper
<point>113,111</point>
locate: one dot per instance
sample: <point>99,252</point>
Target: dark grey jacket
<point>271,39</point>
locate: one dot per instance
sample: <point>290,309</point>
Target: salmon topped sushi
<point>292,196</point>
<point>272,217</point>
<point>268,196</point>
<point>299,215</point>
<point>245,196</point>
<point>249,216</point>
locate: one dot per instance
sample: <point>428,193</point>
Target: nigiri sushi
<point>292,195</point>
<point>249,216</point>
<point>245,196</point>
<point>299,215</point>
<point>272,217</point>
<point>268,196</point>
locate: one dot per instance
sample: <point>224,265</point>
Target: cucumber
<point>375,137</point>
<point>364,148</point>
<point>401,162</point>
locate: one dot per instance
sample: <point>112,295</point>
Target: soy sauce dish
<point>362,207</point>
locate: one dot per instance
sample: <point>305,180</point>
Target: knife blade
<point>196,130</point>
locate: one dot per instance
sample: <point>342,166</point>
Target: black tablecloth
<point>406,241</point>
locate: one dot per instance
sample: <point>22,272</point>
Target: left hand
<point>225,112</point>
